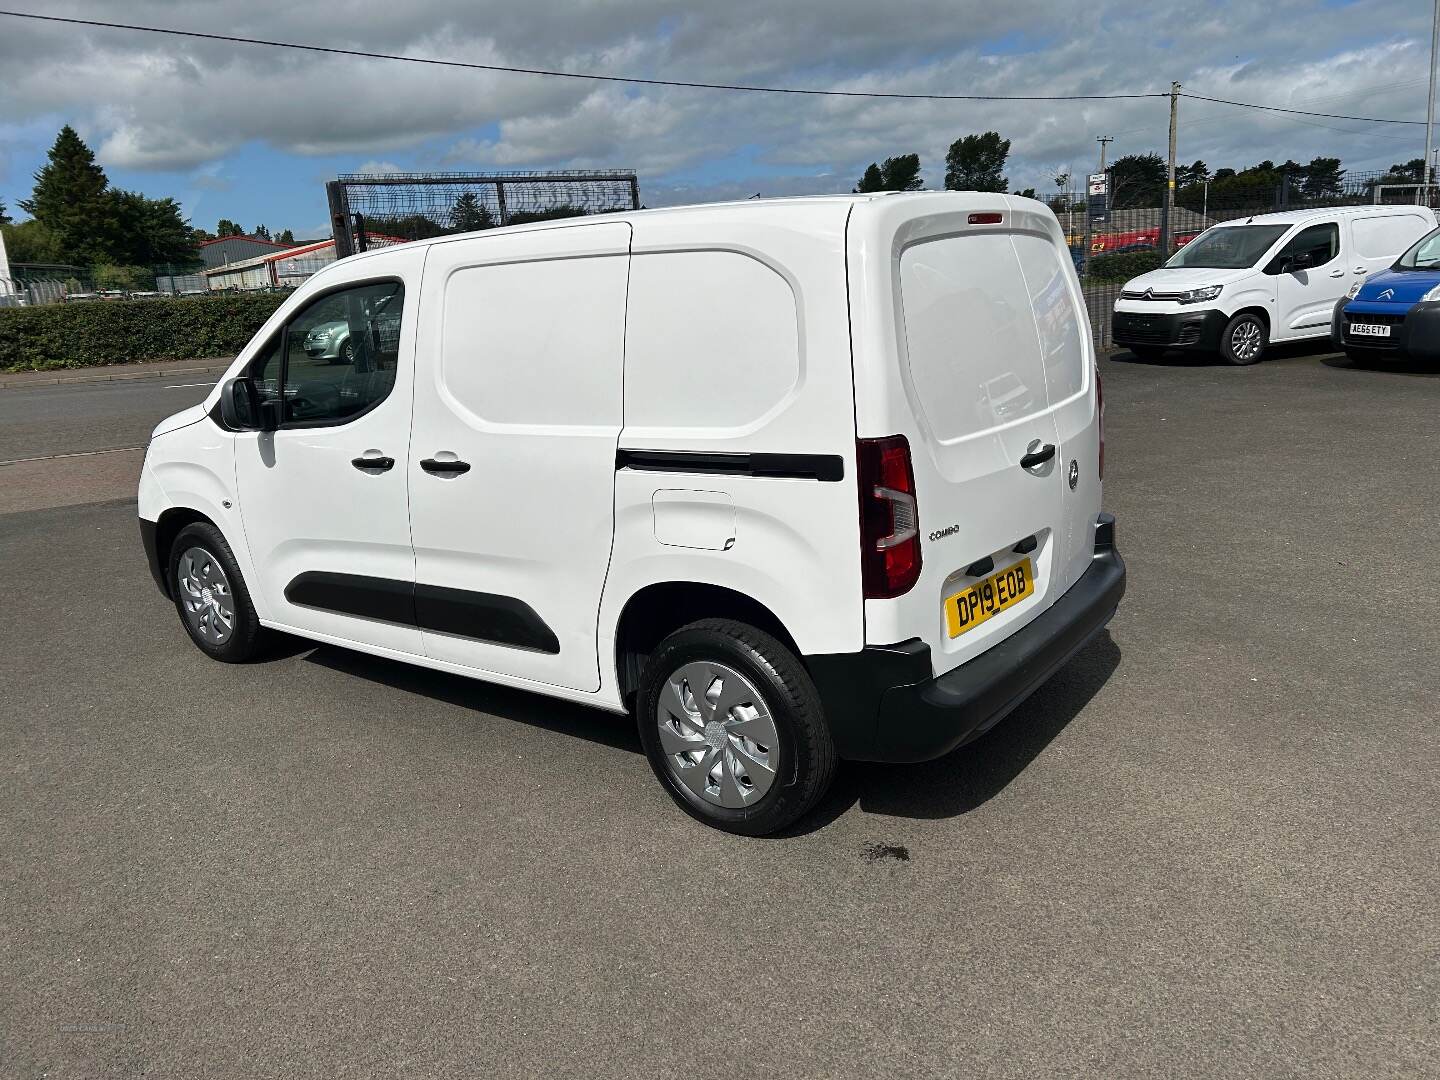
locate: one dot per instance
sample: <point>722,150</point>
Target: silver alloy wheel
<point>205,595</point>
<point>1245,340</point>
<point>717,734</point>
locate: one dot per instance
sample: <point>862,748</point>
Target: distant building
<point>233,249</point>
<point>282,269</point>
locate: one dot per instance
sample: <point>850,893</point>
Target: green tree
<point>872,180</point>
<point>900,173</point>
<point>70,199</point>
<point>226,227</point>
<point>1026,193</point>
<point>148,231</point>
<point>977,163</point>
<point>1187,175</point>
<point>32,242</point>
<point>5,218</point>
<point>285,237</point>
<point>1411,171</point>
<point>1137,180</point>
<point>260,232</point>
<point>1323,177</point>
<point>469,214</point>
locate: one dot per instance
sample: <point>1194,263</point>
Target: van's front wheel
<point>1243,340</point>
<point>733,727</point>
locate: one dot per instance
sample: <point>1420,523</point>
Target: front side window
<point>336,357</point>
<point>1320,242</point>
<point>1228,247</point>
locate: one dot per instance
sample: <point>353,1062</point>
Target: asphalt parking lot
<point>1208,847</point>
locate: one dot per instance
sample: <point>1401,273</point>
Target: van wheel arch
<point>659,609</point>
<point>1259,312</point>
<point>167,528</point>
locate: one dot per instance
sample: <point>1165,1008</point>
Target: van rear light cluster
<point>889,520</point>
<point>1100,413</point>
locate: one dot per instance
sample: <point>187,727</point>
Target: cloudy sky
<point>252,133</point>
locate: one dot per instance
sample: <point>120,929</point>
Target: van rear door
<point>995,394</point>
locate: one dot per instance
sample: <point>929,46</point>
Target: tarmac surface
<point>1207,847</point>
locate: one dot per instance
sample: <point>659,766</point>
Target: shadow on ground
<point>955,784</point>
<point>971,776</point>
<point>1180,358</point>
<point>537,710</point>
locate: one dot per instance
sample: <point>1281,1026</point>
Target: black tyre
<point>211,596</point>
<point>347,352</point>
<point>1244,339</point>
<point>733,727</point>
<point>1148,353</point>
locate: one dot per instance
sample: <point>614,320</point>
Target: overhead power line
<point>589,76</point>
<point>1299,112</point>
<point>635,80</point>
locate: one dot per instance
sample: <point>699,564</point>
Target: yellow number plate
<point>988,597</point>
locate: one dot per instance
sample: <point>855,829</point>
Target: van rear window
<point>972,346</point>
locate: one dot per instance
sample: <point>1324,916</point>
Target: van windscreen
<point>1228,247</point>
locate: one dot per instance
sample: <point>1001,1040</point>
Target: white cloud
<point>150,102</point>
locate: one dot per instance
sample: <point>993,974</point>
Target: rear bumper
<point>1414,333</point>
<point>884,705</point>
<point>1169,330</point>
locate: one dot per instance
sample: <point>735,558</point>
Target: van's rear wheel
<point>733,727</point>
<point>1243,339</point>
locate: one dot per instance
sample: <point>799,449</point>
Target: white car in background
<point>1241,285</point>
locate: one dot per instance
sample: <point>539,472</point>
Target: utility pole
<point>1426,172</point>
<point>1170,174</point>
<point>1106,140</point>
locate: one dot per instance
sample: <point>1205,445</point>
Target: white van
<point>1276,277</point>
<point>789,480</point>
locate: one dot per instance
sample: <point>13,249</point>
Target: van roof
<point>1293,217</point>
<point>738,210</point>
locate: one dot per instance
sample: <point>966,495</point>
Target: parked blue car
<point>1395,313</point>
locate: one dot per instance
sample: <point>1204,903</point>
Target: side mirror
<point>272,414</point>
<point>1301,260</point>
<point>238,404</point>
<point>242,408</point>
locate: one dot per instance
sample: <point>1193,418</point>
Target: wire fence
<point>368,209</point>
<point>32,284</point>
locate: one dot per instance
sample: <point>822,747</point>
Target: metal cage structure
<point>375,209</point>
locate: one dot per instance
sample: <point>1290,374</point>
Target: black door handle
<point>445,468</point>
<point>373,464</point>
<point>1039,457</point>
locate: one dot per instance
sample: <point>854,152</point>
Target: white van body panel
<point>1297,305</point>
<point>520,375</point>
<point>738,342</point>
<point>973,342</point>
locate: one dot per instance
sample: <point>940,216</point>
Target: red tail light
<point>1100,411</point>
<point>889,520</point>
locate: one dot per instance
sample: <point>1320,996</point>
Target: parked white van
<point>789,480</point>
<point>1243,284</point>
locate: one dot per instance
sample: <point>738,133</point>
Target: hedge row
<point>124,331</point>
<point>1124,266</point>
